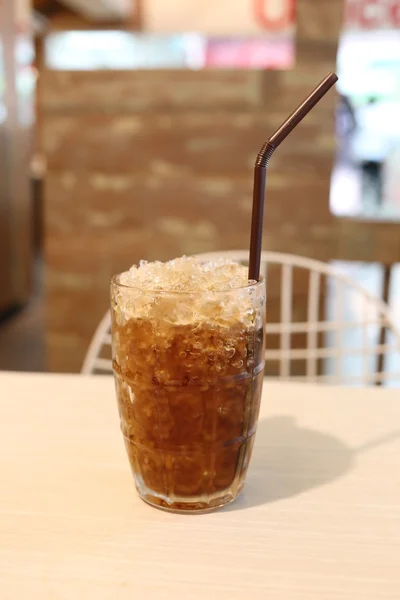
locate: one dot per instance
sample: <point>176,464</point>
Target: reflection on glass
<point>119,50</point>
<point>91,50</point>
<point>365,179</point>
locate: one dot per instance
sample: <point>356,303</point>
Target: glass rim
<point>251,285</point>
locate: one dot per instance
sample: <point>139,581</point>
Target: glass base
<point>190,506</point>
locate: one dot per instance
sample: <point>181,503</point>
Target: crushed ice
<point>150,291</point>
<point>185,274</point>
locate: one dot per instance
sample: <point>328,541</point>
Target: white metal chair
<point>338,336</point>
<point>101,343</point>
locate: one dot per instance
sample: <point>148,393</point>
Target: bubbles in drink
<point>184,337</point>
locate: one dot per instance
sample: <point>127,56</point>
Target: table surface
<point>319,517</point>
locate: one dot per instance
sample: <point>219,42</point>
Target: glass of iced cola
<point>188,357</point>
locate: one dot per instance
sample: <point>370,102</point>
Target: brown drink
<point>188,349</point>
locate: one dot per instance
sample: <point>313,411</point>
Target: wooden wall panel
<point>157,164</point>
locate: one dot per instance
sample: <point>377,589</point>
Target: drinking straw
<point>260,169</point>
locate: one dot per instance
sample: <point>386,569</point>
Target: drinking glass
<point>188,371</point>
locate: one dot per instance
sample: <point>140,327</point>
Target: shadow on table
<point>289,460</point>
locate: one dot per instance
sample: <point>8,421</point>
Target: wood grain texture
<point>319,517</point>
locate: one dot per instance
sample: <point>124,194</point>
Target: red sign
<point>275,15</point>
<point>372,14</point>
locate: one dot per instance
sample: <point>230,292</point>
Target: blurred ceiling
<point>93,10</point>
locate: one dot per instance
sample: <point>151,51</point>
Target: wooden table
<point>319,518</point>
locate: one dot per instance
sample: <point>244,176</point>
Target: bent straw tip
<point>332,76</point>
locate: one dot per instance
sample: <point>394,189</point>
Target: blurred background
<point>129,130</point>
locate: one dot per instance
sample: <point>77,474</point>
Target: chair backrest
<point>101,344</point>
<point>333,331</point>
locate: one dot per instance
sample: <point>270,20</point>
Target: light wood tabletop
<point>319,517</point>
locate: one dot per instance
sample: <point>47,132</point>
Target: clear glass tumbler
<point>188,371</point>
